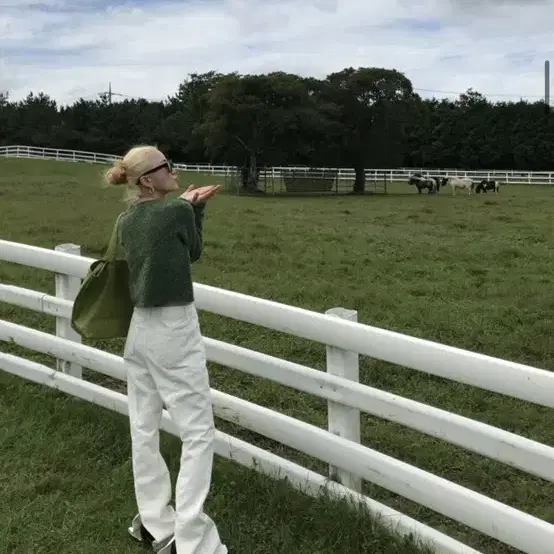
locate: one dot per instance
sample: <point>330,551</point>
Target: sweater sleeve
<point>189,220</point>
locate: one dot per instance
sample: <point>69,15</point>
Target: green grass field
<point>473,272</point>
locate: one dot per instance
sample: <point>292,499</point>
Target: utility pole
<point>4,28</point>
<point>547,86</point>
<point>3,93</point>
<point>109,93</point>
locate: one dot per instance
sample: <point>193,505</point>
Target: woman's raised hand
<point>199,195</point>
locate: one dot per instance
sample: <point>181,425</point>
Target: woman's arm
<point>190,225</point>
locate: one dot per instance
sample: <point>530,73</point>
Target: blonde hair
<point>127,170</point>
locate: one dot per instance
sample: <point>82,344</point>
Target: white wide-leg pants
<point>166,344</point>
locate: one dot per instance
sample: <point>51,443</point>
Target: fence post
<point>343,420</point>
<point>67,288</point>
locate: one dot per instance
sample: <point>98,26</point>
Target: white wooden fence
<point>514,177</point>
<point>349,461</point>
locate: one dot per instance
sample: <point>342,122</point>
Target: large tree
<point>181,130</point>
<point>255,120</point>
<point>369,106</point>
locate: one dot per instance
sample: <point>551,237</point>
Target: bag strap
<point>111,252</point>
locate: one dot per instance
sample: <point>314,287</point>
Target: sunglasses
<point>168,164</point>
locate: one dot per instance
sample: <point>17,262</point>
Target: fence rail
<point>339,446</point>
<point>239,451</point>
<point>514,177</point>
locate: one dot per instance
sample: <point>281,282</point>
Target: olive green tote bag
<point>103,307</point>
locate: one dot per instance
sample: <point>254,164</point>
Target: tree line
<point>358,118</point>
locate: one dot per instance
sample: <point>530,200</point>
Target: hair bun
<point>117,175</point>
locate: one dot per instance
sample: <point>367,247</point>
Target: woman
<point>160,238</point>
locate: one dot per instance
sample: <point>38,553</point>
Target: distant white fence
<point>514,177</point>
<point>339,446</point>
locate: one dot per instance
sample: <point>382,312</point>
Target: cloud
<point>479,5</point>
<point>145,48</point>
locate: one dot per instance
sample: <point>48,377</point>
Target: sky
<point>74,48</point>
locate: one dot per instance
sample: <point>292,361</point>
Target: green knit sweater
<point>160,239</point>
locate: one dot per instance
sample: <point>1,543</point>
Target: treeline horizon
<point>368,117</point>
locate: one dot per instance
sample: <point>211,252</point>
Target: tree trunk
<point>252,172</point>
<point>359,182</point>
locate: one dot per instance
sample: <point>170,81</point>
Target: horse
<point>421,183</point>
<point>439,181</point>
<point>487,184</point>
<point>459,183</point>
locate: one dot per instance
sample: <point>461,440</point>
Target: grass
<point>473,272</point>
